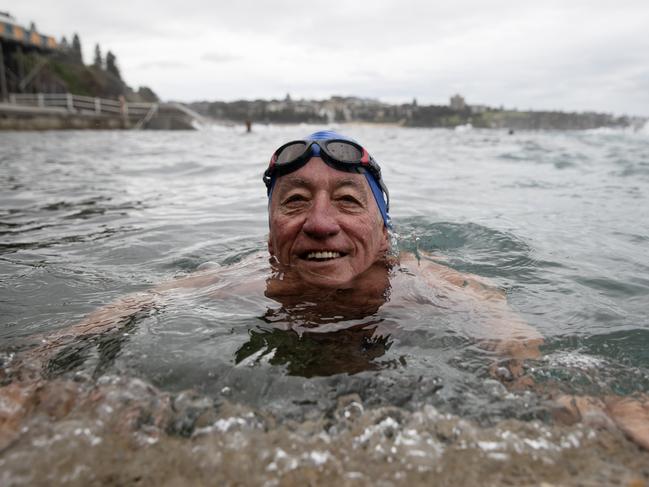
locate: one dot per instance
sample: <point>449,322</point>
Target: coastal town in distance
<point>350,109</point>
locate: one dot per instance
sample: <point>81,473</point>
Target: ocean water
<point>216,387</point>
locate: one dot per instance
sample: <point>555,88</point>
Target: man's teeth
<point>323,255</point>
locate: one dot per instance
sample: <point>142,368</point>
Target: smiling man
<point>328,216</point>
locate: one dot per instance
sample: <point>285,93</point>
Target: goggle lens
<point>344,152</point>
<point>339,150</point>
<point>291,152</point>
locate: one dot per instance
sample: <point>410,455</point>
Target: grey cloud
<point>366,74</point>
<point>219,57</point>
<point>107,21</point>
<point>162,64</point>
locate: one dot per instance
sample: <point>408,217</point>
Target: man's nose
<point>321,220</point>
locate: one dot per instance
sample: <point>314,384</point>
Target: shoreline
<point>34,119</point>
<point>29,118</point>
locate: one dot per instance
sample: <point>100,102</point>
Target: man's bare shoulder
<point>493,322</point>
<point>432,269</point>
<point>245,275</point>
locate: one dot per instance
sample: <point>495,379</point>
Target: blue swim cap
<point>374,185</point>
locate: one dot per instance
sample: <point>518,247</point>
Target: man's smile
<point>321,255</point>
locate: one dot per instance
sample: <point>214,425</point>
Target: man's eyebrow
<point>290,182</point>
<point>351,182</point>
<point>296,181</point>
<point>301,182</point>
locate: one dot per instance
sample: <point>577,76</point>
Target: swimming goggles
<point>340,154</point>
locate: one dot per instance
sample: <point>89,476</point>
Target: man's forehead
<point>305,182</point>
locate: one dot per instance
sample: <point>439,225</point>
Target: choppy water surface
<point>221,391</point>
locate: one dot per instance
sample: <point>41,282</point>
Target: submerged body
<point>346,323</point>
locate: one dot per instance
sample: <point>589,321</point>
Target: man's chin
<point>334,279</point>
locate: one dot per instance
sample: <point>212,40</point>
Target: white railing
<point>83,104</point>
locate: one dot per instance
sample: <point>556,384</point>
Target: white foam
<point>575,360</point>
<point>319,457</point>
<point>644,130</point>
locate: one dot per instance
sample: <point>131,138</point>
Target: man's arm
<point>111,318</point>
<point>115,315</point>
<point>496,324</point>
<point>122,312</point>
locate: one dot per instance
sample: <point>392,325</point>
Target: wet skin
<point>325,226</point>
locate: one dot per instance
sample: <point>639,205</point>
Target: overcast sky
<point>564,55</point>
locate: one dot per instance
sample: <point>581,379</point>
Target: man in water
<point>329,245</point>
<point>329,236</point>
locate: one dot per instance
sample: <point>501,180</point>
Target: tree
<point>98,62</point>
<point>76,53</point>
<point>147,94</point>
<point>111,65</point>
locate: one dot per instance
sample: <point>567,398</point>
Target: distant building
<point>458,103</point>
<point>478,108</point>
<point>13,33</point>
<point>275,106</point>
<point>337,109</point>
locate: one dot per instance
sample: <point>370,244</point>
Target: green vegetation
<point>63,71</point>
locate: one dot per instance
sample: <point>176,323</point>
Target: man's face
<point>325,225</point>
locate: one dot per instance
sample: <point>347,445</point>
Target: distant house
<point>479,108</point>
<point>458,103</point>
<point>13,33</point>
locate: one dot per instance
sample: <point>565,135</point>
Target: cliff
<point>58,72</point>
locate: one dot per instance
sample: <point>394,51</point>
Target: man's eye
<point>294,198</point>
<point>349,199</point>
